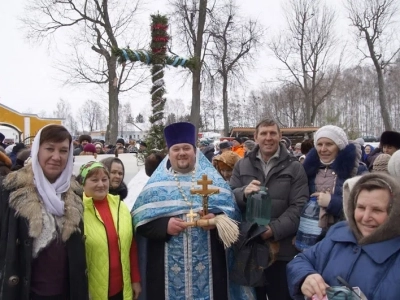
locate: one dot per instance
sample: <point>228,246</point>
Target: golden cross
<point>191,215</point>
<point>205,192</point>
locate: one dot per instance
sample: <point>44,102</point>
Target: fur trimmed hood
<point>345,165</point>
<point>25,200</point>
<point>391,227</point>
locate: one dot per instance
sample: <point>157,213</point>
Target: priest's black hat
<point>181,132</point>
<point>391,138</point>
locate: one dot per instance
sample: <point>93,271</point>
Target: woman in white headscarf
<point>42,253</point>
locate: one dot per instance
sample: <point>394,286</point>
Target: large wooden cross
<point>205,192</point>
<point>156,57</point>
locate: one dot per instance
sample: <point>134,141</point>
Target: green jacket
<point>97,255</point>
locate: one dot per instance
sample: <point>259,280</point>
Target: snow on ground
<point>135,186</point>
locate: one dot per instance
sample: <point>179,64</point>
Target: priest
<point>183,262</point>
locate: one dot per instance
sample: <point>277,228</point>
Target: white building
<point>137,131</point>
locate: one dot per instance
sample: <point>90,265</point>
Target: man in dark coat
<point>83,140</point>
<point>389,144</point>
<point>270,165</point>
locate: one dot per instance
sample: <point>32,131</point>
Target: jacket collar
<point>284,160</point>
<point>26,201</point>
<point>378,252</point>
<point>343,164</point>
<point>283,155</point>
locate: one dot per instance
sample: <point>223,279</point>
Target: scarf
<point>51,192</point>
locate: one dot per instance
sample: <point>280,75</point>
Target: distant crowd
<point>331,219</point>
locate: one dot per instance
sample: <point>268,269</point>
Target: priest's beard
<point>184,166</point>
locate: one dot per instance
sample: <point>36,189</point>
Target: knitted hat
<point>2,137</point>
<point>85,137</point>
<point>250,144</point>
<point>180,133</point>
<point>224,145</point>
<point>98,144</point>
<point>121,141</point>
<point>24,154</point>
<point>360,141</point>
<point>287,141</point>
<point>86,168</point>
<point>89,148</point>
<point>394,164</point>
<point>204,142</point>
<point>336,134</point>
<point>229,158</point>
<point>381,163</point>
<point>391,138</point>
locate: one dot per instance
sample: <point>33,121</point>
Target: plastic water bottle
<point>258,207</point>
<point>308,231</point>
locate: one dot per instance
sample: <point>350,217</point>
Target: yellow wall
<point>12,117</point>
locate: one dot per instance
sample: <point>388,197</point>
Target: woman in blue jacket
<point>328,166</point>
<point>365,251</point>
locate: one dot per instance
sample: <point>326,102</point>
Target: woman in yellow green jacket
<point>111,251</point>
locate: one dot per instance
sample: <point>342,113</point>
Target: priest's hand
<point>253,187</point>
<point>136,289</point>
<point>208,216</point>
<point>175,226</point>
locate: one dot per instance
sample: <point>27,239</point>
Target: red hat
<point>89,148</point>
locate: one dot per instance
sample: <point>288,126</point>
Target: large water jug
<point>258,207</point>
<point>309,231</point>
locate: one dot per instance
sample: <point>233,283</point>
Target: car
<point>370,138</point>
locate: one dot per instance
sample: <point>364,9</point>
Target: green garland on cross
<point>158,59</point>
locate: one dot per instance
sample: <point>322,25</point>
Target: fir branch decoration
<point>158,59</point>
<point>159,40</point>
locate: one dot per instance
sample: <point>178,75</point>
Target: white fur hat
<point>336,134</point>
<point>394,164</point>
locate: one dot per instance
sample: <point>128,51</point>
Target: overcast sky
<point>30,83</point>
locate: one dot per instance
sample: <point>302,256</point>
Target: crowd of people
<point>71,236</point>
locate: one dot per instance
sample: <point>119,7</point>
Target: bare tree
<point>100,24</point>
<point>124,113</point>
<point>211,113</point>
<point>307,50</point>
<point>89,115</point>
<point>191,17</point>
<point>372,19</point>
<point>42,113</point>
<point>139,118</point>
<point>176,107</point>
<point>64,111</point>
<point>234,40</point>
<point>171,118</point>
